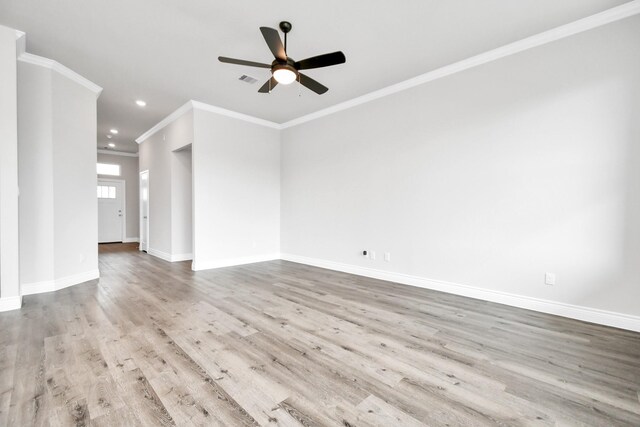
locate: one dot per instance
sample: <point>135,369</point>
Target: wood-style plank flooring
<point>277,343</point>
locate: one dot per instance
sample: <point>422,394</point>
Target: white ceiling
<point>165,51</point>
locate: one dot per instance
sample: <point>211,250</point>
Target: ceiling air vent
<point>247,79</point>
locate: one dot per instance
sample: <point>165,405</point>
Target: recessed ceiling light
<point>141,103</point>
<point>114,131</point>
<point>109,136</point>
<point>111,144</point>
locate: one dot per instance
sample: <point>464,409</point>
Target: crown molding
<point>234,114</point>
<point>41,61</point>
<point>117,153</point>
<point>197,105</point>
<point>594,21</point>
<point>29,58</point>
<point>608,16</point>
<point>21,42</point>
<point>188,106</point>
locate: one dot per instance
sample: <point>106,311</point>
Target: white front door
<point>110,211</point>
<point>144,210</point>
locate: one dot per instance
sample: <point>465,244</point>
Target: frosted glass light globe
<point>284,76</point>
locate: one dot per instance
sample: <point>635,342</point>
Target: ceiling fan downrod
<point>285,27</point>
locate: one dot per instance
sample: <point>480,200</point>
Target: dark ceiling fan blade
<point>272,38</point>
<point>326,60</point>
<point>268,86</point>
<point>312,84</point>
<point>243,62</point>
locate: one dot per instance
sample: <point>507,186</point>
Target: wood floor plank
<point>379,412</point>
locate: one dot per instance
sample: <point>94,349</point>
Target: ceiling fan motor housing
<point>289,63</point>
<point>280,66</point>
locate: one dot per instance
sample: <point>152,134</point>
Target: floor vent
<point>247,79</point>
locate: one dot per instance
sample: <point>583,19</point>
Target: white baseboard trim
<point>38,287</point>
<point>181,257</point>
<point>131,240</point>
<point>57,284</point>
<point>169,257</point>
<point>159,254</point>
<point>230,262</point>
<point>10,303</point>
<point>587,314</point>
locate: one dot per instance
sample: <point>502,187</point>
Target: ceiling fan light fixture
<point>285,74</point>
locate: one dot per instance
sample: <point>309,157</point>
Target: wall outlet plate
<point>549,279</point>
<point>387,256</point>
<point>372,255</point>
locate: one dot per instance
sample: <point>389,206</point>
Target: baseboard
<point>65,282</point>
<point>159,254</point>
<point>587,314</point>
<point>230,262</point>
<point>132,240</point>
<point>38,287</point>
<point>181,257</point>
<point>57,284</point>
<point>169,257</point>
<point>10,303</point>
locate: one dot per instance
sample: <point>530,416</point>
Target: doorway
<point>111,210</point>
<point>144,211</point>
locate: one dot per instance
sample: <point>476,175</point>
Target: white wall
<point>129,172</point>
<point>9,239</point>
<point>236,168</point>
<point>58,205</point>
<point>233,169</point>
<point>181,204</point>
<point>490,177</point>
<point>156,154</point>
<point>74,177</point>
<point>36,173</point>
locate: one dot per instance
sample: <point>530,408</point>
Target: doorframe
<point>124,203</point>
<point>140,248</point>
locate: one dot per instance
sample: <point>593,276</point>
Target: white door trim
<point>147,246</point>
<point>124,202</point>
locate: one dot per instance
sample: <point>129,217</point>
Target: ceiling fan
<point>284,69</point>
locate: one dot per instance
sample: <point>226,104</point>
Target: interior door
<point>144,210</point>
<point>110,211</point>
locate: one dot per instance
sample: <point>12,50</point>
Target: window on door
<point>108,169</point>
<point>106,192</point>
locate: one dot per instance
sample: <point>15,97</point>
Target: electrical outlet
<point>549,279</point>
<point>372,255</point>
<point>387,256</point>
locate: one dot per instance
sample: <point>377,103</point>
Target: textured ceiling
<point>164,52</point>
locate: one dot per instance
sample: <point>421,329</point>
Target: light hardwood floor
<point>278,343</point>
